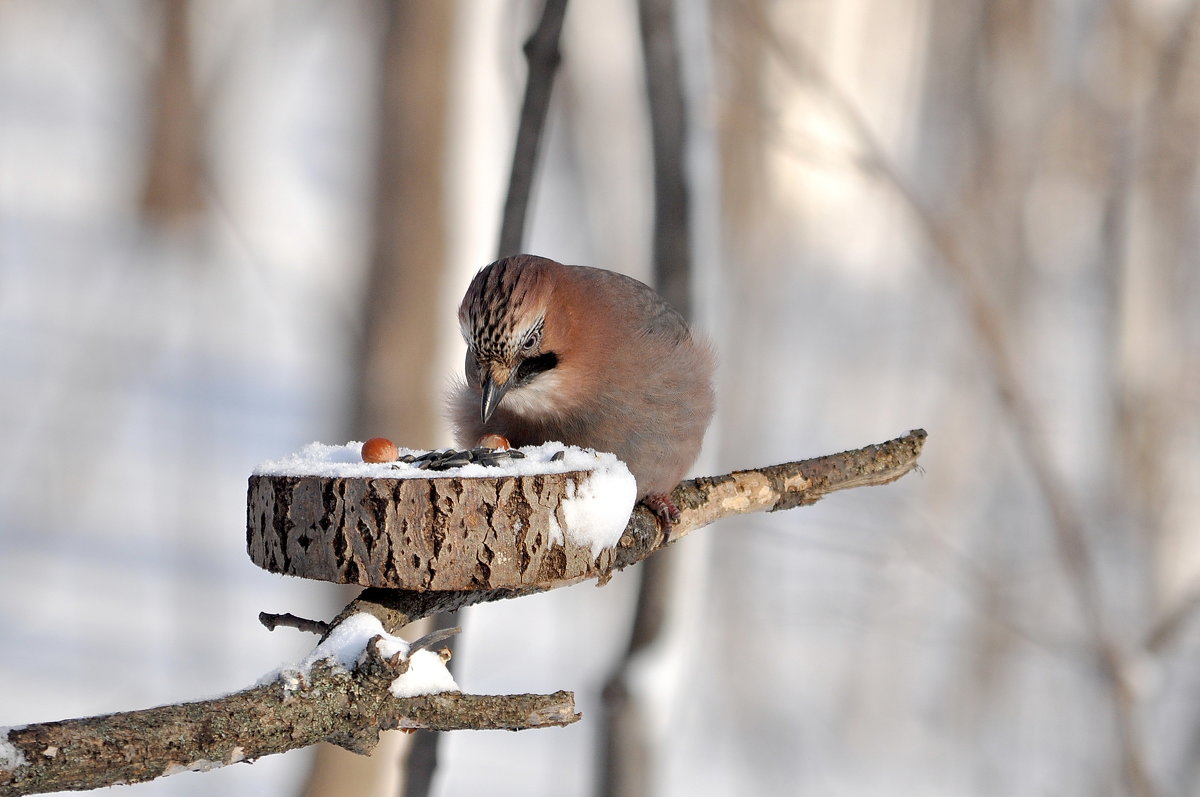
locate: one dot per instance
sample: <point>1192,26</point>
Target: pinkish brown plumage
<point>586,357</point>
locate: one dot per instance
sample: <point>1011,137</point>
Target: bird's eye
<point>531,341</point>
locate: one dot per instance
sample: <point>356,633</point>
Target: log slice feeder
<point>320,515</point>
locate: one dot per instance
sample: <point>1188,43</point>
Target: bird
<point>586,357</point>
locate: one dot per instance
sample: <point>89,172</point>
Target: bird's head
<point>514,334</point>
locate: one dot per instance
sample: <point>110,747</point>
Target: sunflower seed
<point>454,461</point>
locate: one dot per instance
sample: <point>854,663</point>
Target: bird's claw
<point>663,508</point>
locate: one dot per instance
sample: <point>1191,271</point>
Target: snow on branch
<point>327,702</point>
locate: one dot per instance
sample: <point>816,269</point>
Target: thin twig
<point>432,638</point>
<point>289,620</point>
<point>1167,630</point>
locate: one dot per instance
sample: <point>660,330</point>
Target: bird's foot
<point>663,508</point>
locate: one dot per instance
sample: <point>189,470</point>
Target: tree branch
<point>701,502</point>
<point>346,708</point>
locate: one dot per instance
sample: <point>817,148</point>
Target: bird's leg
<point>663,508</point>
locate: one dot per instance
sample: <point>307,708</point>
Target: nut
<point>379,449</point>
<point>494,441</point>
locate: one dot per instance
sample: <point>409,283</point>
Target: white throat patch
<point>539,398</point>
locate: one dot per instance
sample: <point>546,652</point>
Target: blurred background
<point>231,228</point>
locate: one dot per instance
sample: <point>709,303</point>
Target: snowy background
<point>974,217</point>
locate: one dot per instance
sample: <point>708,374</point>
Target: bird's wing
<point>656,317</point>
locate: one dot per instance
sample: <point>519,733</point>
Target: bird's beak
<point>495,385</point>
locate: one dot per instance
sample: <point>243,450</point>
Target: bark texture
<point>419,534</point>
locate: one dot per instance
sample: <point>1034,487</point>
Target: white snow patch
<point>344,648</point>
<point>594,512</point>
<point>427,675</point>
<point>596,509</point>
<point>348,641</point>
<point>11,756</point>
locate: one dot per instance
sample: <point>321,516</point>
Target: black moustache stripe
<point>530,368</point>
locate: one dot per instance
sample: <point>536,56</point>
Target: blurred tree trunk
<point>542,57</point>
<point>626,756</point>
<point>741,133</point>
<point>173,188</point>
<point>399,392</point>
<point>668,136</point>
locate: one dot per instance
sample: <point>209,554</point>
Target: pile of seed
<point>449,458</point>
